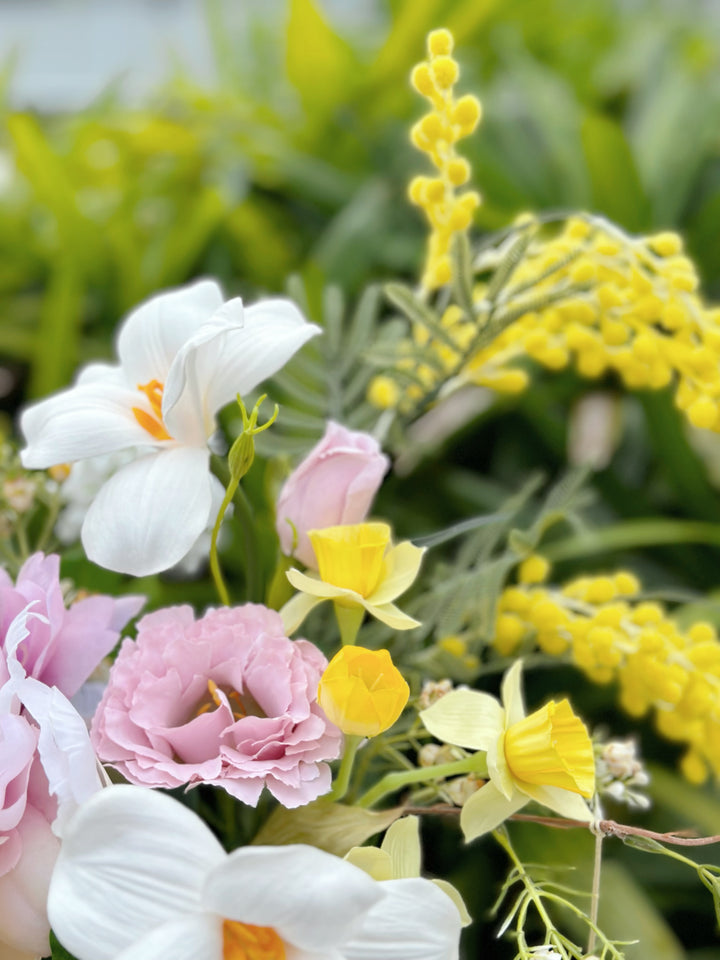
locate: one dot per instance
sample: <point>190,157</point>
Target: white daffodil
<point>141,877</point>
<point>547,756</point>
<point>183,356</point>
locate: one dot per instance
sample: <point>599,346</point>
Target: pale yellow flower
<point>359,569</point>
<point>546,756</point>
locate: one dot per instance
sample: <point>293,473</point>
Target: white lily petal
<point>486,809</point>
<point>402,844</point>
<point>232,353</point>
<point>66,754</point>
<point>84,421</point>
<point>415,921</point>
<point>148,515</point>
<point>155,331</point>
<point>512,696</point>
<point>402,563</point>
<point>131,859</point>
<point>196,936</point>
<point>311,898</point>
<point>564,802</point>
<point>466,718</point>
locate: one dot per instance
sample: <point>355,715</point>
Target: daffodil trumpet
<point>546,756</point>
<point>360,570</point>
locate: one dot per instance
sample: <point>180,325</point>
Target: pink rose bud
<point>335,484</point>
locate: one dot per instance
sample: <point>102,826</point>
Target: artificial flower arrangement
<point>214,784</point>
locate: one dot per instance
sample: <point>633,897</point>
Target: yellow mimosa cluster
<point>449,120</point>
<point>598,623</point>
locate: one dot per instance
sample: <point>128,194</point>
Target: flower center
<point>153,423</point>
<point>352,556</point>
<point>245,706</point>
<point>243,941</point>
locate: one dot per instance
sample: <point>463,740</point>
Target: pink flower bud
<point>335,484</point>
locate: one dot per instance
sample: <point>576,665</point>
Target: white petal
<point>155,331</point>
<point>511,694</point>
<point>402,844</point>
<point>564,802</point>
<point>465,718</point>
<point>415,921</point>
<point>131,860</point>
<point>195,937</point>
<point>64,745</point>
<point>84,421</point>
<point>232,353</point>
<point>148,515</point>
<point>486,809</point>
<point>313,899</point>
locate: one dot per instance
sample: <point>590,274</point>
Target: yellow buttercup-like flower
<point>360,570</point>
<point>546,756</point>
<point>362,692</point>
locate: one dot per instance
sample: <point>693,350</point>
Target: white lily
<point>183,356</point>
<point>141,877</point>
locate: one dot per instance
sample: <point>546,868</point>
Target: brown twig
<point>608,828</point>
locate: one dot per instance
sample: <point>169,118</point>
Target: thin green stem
<point>214,562</point>
<point>392,782</point>
<point>342,781</point>
<point>349,620</point>
<point>595,893</point>
<point>53,508</point>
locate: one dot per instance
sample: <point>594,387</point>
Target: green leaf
<point>320,64</point>
<point>616,187</point>
<point>58,951</point>
<point>330,826</point>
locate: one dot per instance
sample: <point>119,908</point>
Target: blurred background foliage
<point>297,161</point>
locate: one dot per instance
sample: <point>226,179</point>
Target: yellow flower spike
<point>546,757</point>
<point>362,692</point>
<point>360,570</point>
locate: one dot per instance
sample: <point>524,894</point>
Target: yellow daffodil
<point>399,858</point>
<point>546,756</point>
<point>360,570</point>
<point>362,691</point>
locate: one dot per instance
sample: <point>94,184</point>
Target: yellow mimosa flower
<point>546,756</point>
<point>359,569</point>
<point>362,692</point>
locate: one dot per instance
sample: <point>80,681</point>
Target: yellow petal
<point>563,802</point>
<point>295,611</point>
<point>465,718</point>
<point>391,615</point>
<point>402,844</point>
<point>352,556</point>
<point>375,862</point>
<point>362,691</point>
<point>486,809</point>
<point>402,564</point>
<point>552,748</point>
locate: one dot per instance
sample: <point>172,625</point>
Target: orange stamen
<point>244,941</point>
<point>153,390</point>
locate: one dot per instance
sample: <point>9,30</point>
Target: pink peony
<point>64,651</point>
<point>60,648</point>
<point>335,484</point>
<point>226,700</point>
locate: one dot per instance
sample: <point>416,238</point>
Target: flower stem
<point>253,570</point>
<point>342,781</point>
<point>595,894</point>
<point>214,562</point>
<point>349,620</point>
<point>392,782</point>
